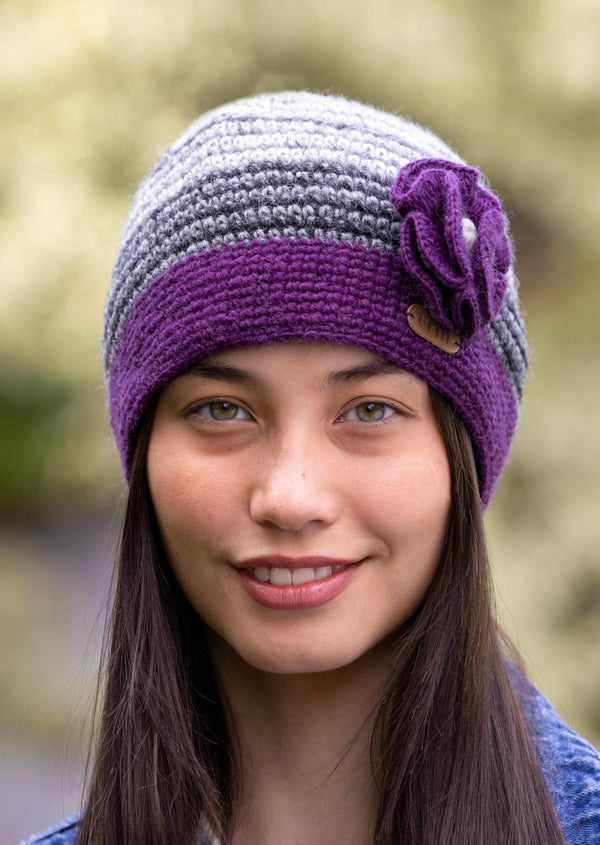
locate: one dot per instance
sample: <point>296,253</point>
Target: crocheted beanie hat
<point>301,216</point>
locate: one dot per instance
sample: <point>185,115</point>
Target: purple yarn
<point>300,216</point>
<point>463,289</point>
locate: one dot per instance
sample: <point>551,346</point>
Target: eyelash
<point>388,409</point>
<point>386,406</point>
<point>197,410</point>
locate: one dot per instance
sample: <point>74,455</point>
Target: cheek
<point>409,498</point>
<point>410,515</point>
<point>193,500</point>
<point>193,512</point>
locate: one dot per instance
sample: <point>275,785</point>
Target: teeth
<point>303,576</point>
<point>281,577</point>
<point>285,577</point>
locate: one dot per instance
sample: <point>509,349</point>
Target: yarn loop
<point>453,242</point>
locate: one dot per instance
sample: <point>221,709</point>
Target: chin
<point>299,662</point>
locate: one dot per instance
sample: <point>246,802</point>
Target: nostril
<point>289,504</point>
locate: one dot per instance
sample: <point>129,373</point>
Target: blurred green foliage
<point>32,426</point>
<point>90,92</point>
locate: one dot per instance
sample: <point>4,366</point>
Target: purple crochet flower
<point>453,241</point>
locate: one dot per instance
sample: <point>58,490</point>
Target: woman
<point>315,358</point>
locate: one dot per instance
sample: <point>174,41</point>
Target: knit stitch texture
<point>274,218</point>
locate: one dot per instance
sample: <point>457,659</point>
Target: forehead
<point>299,357</point>
<point>296,367</point>
<point>323,366</point>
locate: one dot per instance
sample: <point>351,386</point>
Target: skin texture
<point>320,450</point>
<point>297,472</point>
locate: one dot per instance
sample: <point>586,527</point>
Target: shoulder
<point>63,833</point>
<point>571,766</point>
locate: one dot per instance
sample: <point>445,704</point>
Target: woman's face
<point>302,492</point>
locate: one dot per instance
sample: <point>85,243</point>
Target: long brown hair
<point>451,751</point>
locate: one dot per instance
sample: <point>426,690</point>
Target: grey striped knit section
<point>297,165</point>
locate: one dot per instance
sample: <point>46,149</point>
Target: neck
<point>303,746</point>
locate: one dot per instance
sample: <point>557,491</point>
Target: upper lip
<point>283,562</point>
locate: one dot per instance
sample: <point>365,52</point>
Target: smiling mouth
<point>282,577</point>
<point>286,583</point>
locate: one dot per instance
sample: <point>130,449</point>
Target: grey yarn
<point>284,165</point>
<point>275,212</point>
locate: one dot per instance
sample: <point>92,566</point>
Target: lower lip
<point>298,596</point>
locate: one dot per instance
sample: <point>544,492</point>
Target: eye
<point>220,410</point>
<point>370,412</point>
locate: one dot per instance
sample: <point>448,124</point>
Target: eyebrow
<point>237,375</point>
<point>225,372</point>
<point>362,371</point>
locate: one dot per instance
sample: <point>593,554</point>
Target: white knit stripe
<point>213,145</point>
<point>294,165</point>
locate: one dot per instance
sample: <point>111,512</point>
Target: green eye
<point>370,412</point>
<point>222,411</point>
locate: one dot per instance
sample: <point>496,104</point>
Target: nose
<point>294,488</point>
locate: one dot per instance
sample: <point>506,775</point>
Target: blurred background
<point>90,93</point>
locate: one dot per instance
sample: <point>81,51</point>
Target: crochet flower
<point>453,242</point>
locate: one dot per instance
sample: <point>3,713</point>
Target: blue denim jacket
<point>571,767</point>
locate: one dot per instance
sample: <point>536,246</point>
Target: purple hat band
<point>310,290</point>
<point>305,217</point>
